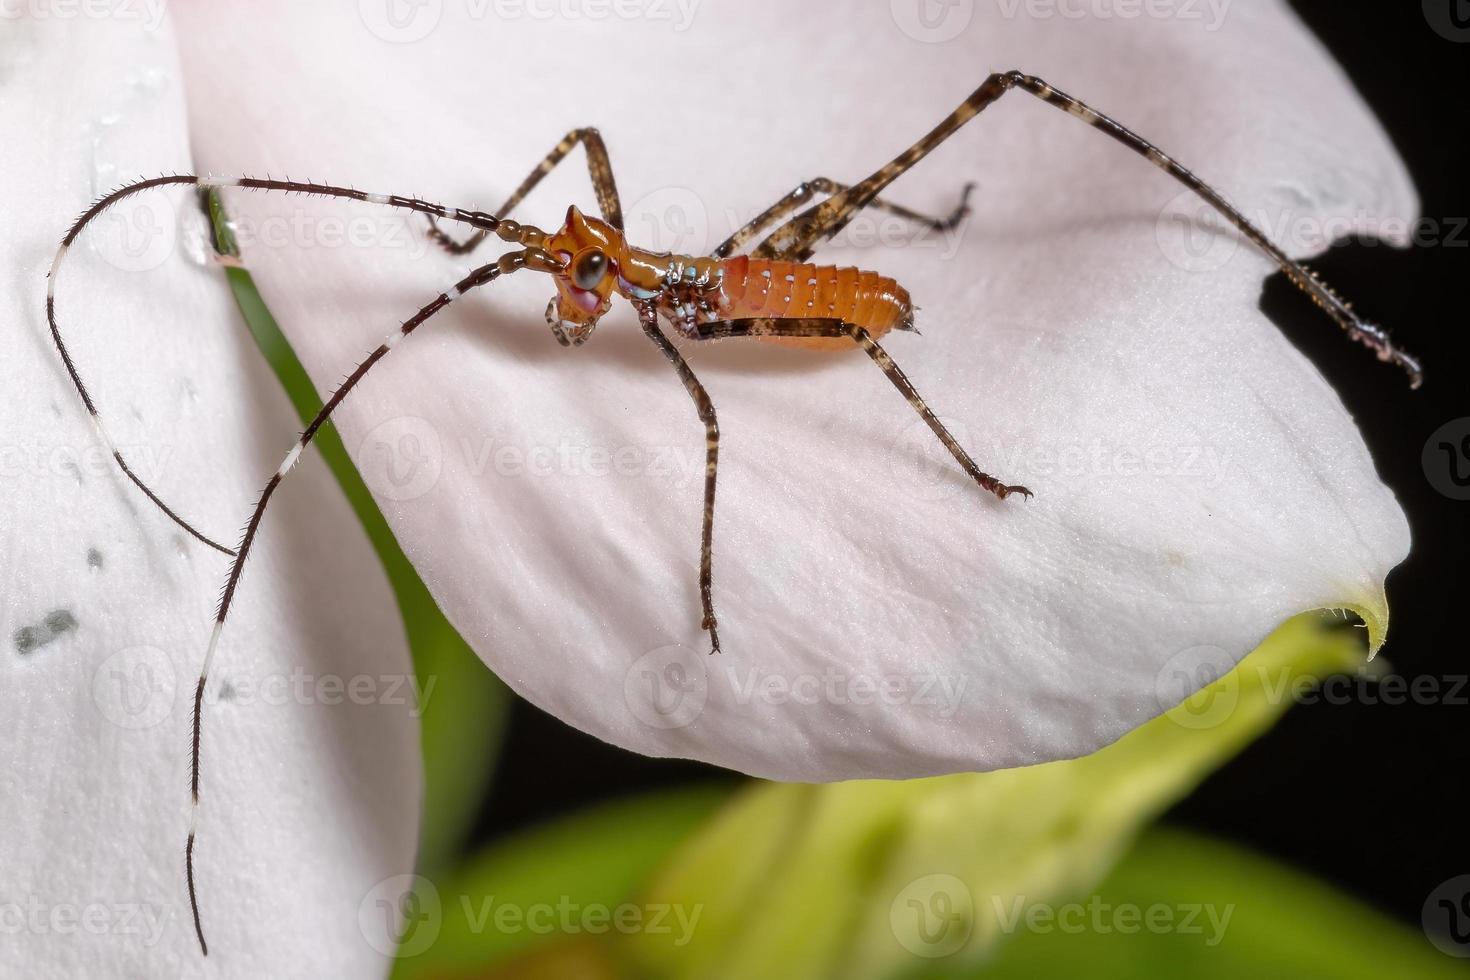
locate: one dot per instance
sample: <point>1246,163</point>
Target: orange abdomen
<point>771,288</point>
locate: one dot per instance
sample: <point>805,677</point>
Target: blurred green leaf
<point>840,881</point>
<point>549,878</point>
<point>1256,918</point>
<point>465,711</point>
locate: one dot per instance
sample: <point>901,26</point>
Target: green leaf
<point>827,881</point>
<point>547,879</point>
<point>1256,918</point>
<point>465,709</point>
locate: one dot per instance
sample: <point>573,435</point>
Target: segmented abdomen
<point>770,288</point>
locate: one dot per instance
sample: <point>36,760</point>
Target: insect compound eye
<point>589,269</point>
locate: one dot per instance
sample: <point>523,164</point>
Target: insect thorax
<point>690,291</point>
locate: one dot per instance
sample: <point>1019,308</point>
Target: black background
<point>1368,796</point>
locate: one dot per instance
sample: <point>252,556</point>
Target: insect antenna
<point>481,276</point>
<point>477,219</point>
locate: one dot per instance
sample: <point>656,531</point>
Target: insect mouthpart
<point>568,333</point>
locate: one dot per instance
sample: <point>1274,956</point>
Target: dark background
<point>1370,797</point>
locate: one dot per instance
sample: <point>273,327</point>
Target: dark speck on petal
<point>56,624</point>
<point>27,638</point>
<point>60,621</point>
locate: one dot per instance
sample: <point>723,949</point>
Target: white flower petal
<point>308,799</point>
<point>552,499</point>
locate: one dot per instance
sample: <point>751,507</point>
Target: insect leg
<point>821,327</point>
<point>806,190</point>
<point>798,238</point>
<point>475,218</point>
<point>599,168</point>
<point>649,318</point>
<point>479,277</point>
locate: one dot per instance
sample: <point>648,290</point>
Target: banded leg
<point>820,327</point>
<point>477,219</point>
<point>806,190</point>
<point>479,277</point>
<point>599,168</point>
<point>648,316</point>
<point>800,237</point>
